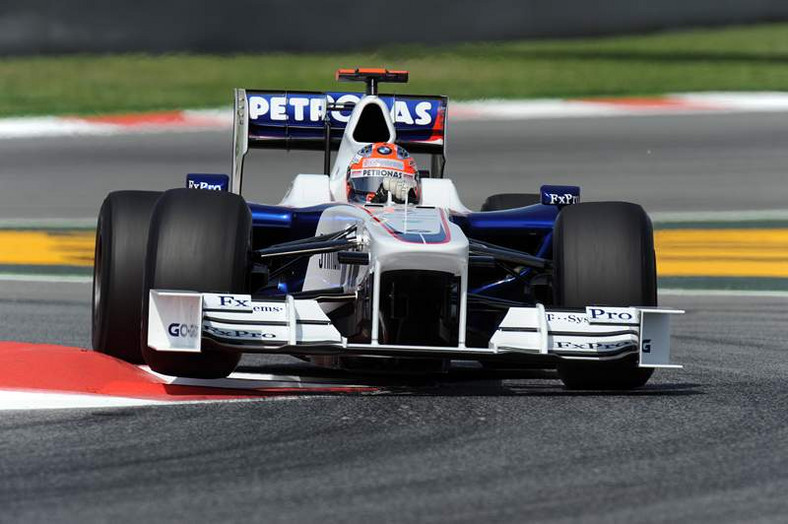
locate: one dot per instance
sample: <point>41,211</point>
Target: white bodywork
<point>307,190</point>
<point>313,189</point>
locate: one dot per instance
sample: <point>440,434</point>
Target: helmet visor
<point>364,181</point>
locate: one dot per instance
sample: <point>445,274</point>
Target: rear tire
<point>505,201</point>
<point>604,255</point>
<point>121,240</point>
<point>198,241</point>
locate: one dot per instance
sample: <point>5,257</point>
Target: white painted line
<point>217,116</point>
<point>48,223</point>
<point>671,104</point>
<point>663,217</point>
<point>30,127</point>
<point>35,400</point>
<point>27,400</point>
<point>71,279</point>
<point>767,101</point>
<point>527,109</point>
<point>722,292</point>
<point>239,380</point>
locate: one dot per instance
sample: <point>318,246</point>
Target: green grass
<point>731,59</point>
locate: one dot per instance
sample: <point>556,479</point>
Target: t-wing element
<point>372,77</point>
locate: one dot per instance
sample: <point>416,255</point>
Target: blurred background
<point>81,56</point>
<point>76,26</point>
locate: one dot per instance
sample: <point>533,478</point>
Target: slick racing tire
<point>199,241</point>
<point>121,240</point>
<point>604,255</point>
<point>504,201</point>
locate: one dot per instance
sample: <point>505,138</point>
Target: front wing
<point>181,320</point>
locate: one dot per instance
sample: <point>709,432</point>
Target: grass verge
<point>730,59</point>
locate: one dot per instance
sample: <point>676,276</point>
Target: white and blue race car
<point>373,265</point>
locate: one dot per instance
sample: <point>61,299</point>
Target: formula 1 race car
<point>374,265</point>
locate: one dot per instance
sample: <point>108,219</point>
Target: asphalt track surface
<point>665,163</point>
<point>708,443</point>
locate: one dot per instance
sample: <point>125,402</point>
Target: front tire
<point>119,259</point>
<point>198,241</point>
<point>604,255</point>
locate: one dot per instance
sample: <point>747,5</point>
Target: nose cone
<point>410,237</point>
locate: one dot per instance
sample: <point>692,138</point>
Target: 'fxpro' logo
<point>612,315</point>
<point>592,346</point>
<point>559,195</point>
<point>560,200</point>
<point>205,185</point>
<point>207,182</point>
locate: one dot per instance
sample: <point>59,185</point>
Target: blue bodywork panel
<point>511,224</point>
<point>506,222</point>
<point>275,224</point>
<point>528,229</point>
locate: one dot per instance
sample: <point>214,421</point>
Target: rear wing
<point>315,121</point>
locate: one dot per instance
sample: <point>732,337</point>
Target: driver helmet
<point>380,169</point>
